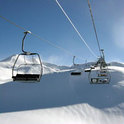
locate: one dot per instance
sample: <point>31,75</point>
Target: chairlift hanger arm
<point>102,52</point>
<point>73,60</point>
<point>25,34</point>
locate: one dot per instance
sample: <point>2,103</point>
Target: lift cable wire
<point>94,27</point>
<point>12,23</point>
<point>76,29</point>
<point>35,35</point>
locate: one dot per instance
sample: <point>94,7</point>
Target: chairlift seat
<point>92,67</point>
<point>75,73</point>
<point>94,80</point>
<point>99,81</point>
<point>104,81</point>
<point>26,77</point>
<point>102,75</point>
<point>87,70</point>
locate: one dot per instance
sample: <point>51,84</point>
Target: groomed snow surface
<point>60,98</point>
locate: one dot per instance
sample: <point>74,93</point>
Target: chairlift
<point>75,73</point>
<point>99,74</point>
<point>27,66</point>
<point>98,77</point>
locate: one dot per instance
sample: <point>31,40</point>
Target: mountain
<point>60,97</point>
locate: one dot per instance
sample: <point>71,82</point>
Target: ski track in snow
<point>61,98</point>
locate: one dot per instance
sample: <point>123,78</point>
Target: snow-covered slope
<point>75,114</point>
<point>60,97</point>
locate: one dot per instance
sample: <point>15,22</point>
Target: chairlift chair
<point>75,73</point>
<point>99,74</point>
<point>99,77</point>
<point>19,72</point>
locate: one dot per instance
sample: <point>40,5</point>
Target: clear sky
<point>44,18</point>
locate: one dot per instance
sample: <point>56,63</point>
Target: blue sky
<point>44,18</point>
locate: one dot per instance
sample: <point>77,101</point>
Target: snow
<point>60,97</point>
<point>79,114</point>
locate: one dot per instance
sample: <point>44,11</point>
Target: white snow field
<point>60,98</point>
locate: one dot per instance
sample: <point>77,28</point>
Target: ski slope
<point>60,97</point>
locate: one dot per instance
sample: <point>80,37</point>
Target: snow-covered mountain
<point>60,97</point>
